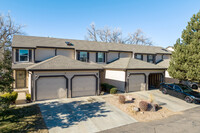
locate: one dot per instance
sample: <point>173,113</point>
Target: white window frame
<point>27,55</point>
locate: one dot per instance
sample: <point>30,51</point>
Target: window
<point>185,88</point>
<point>139,56</point>
<point>177,88</point>
<point>83,56</point>
<point>100,57</point>
<point>150,58</point>
<point>23,55</point>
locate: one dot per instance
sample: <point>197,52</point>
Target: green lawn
<point>23,119</point>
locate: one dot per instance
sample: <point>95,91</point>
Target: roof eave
<point>54,47</point>
<point>64,69</point>
<point>146,68</point>
<point>23,47</point>
<point>115,69</point>
<point>120,51</point>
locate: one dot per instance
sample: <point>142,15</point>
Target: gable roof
<point>34,42</point>
<point>61,62</point>
<point>164,63</point>
<point>131,63</point>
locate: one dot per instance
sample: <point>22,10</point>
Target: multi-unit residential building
<point>50,68</point>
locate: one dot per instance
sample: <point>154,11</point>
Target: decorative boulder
<point>143,105</point>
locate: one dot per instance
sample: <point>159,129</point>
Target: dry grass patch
<point>142,116</point>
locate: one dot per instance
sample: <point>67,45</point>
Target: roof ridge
<point>42,62</point>
<point>92,41</point>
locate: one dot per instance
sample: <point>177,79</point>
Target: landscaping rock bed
<point>131,107</point>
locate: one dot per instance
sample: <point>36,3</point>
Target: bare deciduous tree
<point>115,36</point>
<point>104,34</point>
<point>138,38</point>
<point>92,33</point>
<point>7,30</point>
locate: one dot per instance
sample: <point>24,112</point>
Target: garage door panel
<point>83,86</point>
<point>136,82</point>
<point>51,88</point>
<point>83,93</point>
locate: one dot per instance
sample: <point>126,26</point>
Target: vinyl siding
<point>112,56</point>
<point>158,57</point>
<point>42,54</point>
<point>92,57</point>
<point>66,52</point>
<point>166,56</point>
<point>125,54</point>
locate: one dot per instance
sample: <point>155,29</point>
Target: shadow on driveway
<point>64,115</point>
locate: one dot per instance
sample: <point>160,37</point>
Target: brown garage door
<point>84,85</point>
<point>136,82</point>
<point>51,88</point>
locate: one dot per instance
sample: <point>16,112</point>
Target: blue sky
<point>161,20</point>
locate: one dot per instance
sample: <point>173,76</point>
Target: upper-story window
<point>83,56</point>
<point>151,58</point>
<point>100,57</point>
<point>139,56</point>
<point>23,55</point>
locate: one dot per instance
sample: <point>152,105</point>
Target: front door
<point>20,79</point>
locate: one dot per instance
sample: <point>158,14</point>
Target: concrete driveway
<point>170,102</point>
<point>84,115</point>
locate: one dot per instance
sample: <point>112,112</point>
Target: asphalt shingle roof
<point>131,63</point>
<point>34,42</point>
<point>61,62</point>
<point>21,65</point>
<point>164,63</point>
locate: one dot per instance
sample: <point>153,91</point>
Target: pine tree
<point>185,61</point>
<point>6,78</point>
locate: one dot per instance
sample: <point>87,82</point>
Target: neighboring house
<point>51,68</point>
<point>170,48</point>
